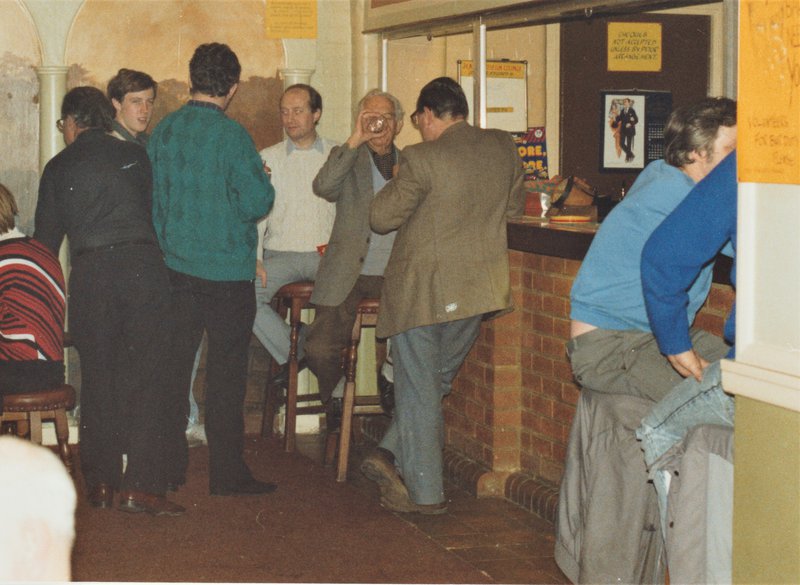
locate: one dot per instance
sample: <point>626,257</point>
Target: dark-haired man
<point>210,189</point>
<point>447,272</point>
<point>97,192</point>
<point>299,224</point>
<point>132,93</point>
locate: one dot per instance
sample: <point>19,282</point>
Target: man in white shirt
<point>292,237</point>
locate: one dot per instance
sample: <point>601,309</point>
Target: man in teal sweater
<point>209,191</point>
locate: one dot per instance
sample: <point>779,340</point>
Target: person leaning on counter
<point>447,272</point>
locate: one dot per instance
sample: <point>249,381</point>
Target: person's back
<point>97,192</point>
<point>101,186</point>
<point>607,290</point>
<point>448,270</point>
<point>612,349</point>
<point>457,230</point>
<point>210,189</point>
<point>205,221</point>
<point>33,302</point>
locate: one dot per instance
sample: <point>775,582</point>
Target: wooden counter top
<point>571,241</point>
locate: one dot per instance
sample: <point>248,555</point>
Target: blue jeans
<point>689,404</point>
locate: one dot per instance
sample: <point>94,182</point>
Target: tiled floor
<point>509,544</point>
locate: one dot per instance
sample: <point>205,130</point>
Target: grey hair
<point>398,107</point>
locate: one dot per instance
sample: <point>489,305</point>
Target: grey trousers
<point>699,526</point>
<point>329,334</point>
<point>282,268</point>
<point>426,360</point>
<point>630,363</point>
<point>607,530</point>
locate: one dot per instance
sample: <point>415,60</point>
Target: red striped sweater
<point>31,301</point>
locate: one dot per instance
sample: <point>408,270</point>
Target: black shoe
<point>281,379</point>
<point>247,487</point>
<point>333,415</point>
<point>386,394</point>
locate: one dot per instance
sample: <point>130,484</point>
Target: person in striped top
<point>31,309</point>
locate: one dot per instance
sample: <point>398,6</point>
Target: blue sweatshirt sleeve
<point>686,241</point>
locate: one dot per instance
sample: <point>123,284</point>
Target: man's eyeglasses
<point>60,125</point>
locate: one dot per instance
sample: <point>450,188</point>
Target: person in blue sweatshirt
<point>612,349</point>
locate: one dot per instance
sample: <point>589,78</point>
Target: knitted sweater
<point>299,221</point>
<point>209,191</point>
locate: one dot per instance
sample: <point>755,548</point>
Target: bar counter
<point>509,414</point>
<point>571,241</point>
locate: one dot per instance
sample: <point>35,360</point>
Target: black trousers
<point>119,316</point>
<point>225,310</point>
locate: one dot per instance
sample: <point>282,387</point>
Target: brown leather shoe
<point>135,502</point>
<point>101,496</point>
<point>379,468</point>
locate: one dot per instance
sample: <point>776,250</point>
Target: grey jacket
<point>344,179</point>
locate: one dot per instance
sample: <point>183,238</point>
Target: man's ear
<point>232,90</point>
<point>317,115</point>
<point>117,105</point>
<point>697,156</point>
<point>398,127</point>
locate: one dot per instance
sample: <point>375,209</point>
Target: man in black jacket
<point>97,192</point>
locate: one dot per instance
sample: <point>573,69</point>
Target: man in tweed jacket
<point>448,271</point>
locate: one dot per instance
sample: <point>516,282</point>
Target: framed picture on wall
<point>632,128</point>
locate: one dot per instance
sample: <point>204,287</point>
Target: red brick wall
<point>512,403</point>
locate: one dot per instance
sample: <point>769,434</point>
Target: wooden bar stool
<point>28,410</point>
<point>366,316</point>
<point>290,299</point>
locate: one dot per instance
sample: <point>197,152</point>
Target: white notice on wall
<point>506,93</point>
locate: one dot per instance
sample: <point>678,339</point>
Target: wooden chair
<point>290,299</point>
<point>27,411</point>
<point>366,316</point>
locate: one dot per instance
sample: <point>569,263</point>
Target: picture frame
<point>623,151</point>
<point>623,131</point>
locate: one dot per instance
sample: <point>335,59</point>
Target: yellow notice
<point>768,134</point>
<point>291,19</point>
<point>497,69</point>
<point>634,46</point>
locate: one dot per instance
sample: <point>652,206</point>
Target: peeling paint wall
<point>19,109</point>
<point>160,37</point>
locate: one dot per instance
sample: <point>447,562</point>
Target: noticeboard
<point>769,92</point>
<point>506,93</point>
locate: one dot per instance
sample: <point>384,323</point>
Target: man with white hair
<point>37,504</point>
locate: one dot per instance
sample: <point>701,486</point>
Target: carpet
<point>311,530</point>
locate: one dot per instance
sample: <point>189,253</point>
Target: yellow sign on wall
<point>291,19</point>
<point>769,91</point>
<point>634,46</point>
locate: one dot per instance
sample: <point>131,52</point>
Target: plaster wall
<point>94,38</point>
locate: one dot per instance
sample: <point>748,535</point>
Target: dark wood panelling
<point>685,72</point>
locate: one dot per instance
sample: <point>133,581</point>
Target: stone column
<point>291,76</point>
<point>52,87</point>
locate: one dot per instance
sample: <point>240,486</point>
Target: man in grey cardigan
<point>448,271</point>
<point>352,266</point>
